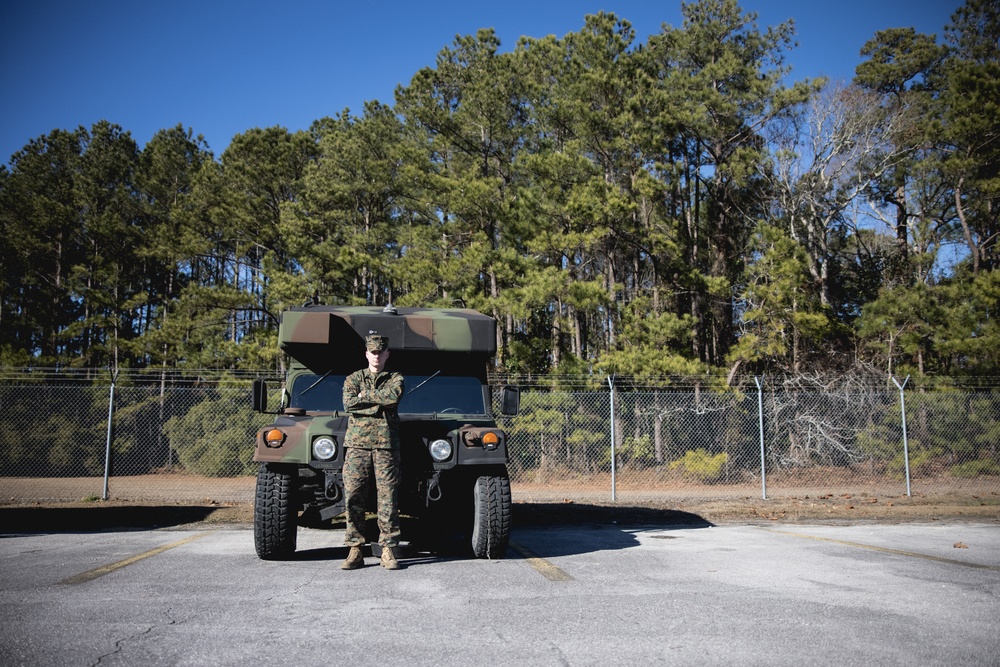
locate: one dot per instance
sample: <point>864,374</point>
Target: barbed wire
<point>104,376</point>
<point>807,383</point>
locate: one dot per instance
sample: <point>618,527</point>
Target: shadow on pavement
<point>86,519</point>
<point>575,514</point>
<point>408,555</point>
<point>608,528</point>
<point>615,529</point>
<point>47,519</point>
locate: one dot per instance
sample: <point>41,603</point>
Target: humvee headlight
<point>440,450</point>
<point>324,448</point>
<point>274,437</point>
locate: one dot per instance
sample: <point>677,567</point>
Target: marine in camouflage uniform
<point>371,397</point>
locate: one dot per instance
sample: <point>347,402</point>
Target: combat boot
<point>389,561</point>
<point>355,559</point>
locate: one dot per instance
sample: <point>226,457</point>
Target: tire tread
<point>275,528</point>
<point>492,520</point>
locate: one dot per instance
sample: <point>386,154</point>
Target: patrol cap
<point>376,343</point>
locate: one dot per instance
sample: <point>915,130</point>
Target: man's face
<point>376,360</point>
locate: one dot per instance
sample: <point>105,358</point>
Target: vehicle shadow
<point>544,530</point>
<point>569,514</point>
<point>540,530</point>
<point>606,527</point>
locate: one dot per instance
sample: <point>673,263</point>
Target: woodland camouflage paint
<point>444,330</point>
<point>453,456</point>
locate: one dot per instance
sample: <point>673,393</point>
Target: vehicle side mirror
<point>259,396</point>
<point>510,402</point>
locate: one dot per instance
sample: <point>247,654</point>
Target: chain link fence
<point>175,438</point>
<point>639,444</point>
<point>189,438</point>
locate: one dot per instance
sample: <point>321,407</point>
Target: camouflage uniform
<point>372,449</point>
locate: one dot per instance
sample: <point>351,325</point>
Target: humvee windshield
<point>423,394</point>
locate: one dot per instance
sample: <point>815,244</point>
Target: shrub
<point>699,464</point>
<point>921,462</point>
<point>975,468</point>
<point>215,437</point>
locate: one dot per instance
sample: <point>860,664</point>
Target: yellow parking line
<point>886,550</point>
<point>90,575</point>
<point>542,566</point>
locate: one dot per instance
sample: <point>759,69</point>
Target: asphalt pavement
<point>907,594</point>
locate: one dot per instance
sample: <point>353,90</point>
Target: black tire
<point>491,516</point>
<point>274,512</point>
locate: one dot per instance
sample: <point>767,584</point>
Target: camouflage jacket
<point>371,400</point>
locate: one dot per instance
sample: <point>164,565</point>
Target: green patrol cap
<point>376,343</point>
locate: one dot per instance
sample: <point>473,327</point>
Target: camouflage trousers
<point>360,466</point>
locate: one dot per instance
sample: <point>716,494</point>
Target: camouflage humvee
<point>454,458</point>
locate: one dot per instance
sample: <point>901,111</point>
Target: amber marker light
<point>274,437</point>
<point>490,440</point>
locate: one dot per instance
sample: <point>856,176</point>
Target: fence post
<point>614,490</point>
<point>906,447</point>
<point>760,422</point>
<point>107,442</point>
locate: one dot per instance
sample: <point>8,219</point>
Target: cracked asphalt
<point>907,594</point>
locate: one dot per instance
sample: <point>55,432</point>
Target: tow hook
<point>331,489</point>
<point>434,488</point>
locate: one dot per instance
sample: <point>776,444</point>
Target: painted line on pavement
<point>542,566</point>
<point>886,550</point>
<point>90,575</point>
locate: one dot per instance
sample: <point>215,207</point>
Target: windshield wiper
<point>423,383</point>
<point>321,378</point>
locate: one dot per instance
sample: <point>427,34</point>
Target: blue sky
<point>222,67</point>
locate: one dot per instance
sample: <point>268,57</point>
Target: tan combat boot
<point>389,561</point>
<point>355,559</point>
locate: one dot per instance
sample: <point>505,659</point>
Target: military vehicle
<point>453,455</point>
